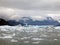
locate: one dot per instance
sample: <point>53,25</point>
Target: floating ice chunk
<point>26,41</point>
<point>35,31</point>
<point>22,38</point>
<point>8,37</point>
<point>43,35</point>
<point>58,27</point>
<point>55,39</point>
<point>4,34</point>
<point>14,40</point>
<point>13,34</point>
<point>25,38</point>
<point>50,30</point>
<point>4,30</point>
<point>36,42</point>
<point>37,39</point>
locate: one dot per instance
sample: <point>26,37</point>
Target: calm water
<point>19,35</point>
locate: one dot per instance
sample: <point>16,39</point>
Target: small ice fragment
<point>25,38</point>
<point>43,35</point>
<point>50,30</point>
<point>35,31</point>
<point>55,39</point>
<point>37,39</point>
<point>4,30</point>
<point>26,41</point>
<point>8,37</point>
<point>36,42</point>
<point>13,34</point>
<point>57,27</point>
<point>14,40</point>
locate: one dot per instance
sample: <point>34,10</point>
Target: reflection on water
<point>18,35</point>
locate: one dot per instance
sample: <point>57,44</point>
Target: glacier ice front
<point>30,34</point>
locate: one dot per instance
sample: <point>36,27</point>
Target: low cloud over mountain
<point>31,17</point>
<point>46,21</point>
<point>29,21</point>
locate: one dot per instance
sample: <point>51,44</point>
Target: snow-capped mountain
<point>31,21</point>
<point>55,16</point>
<point>46,21</point>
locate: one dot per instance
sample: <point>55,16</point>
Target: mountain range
<point>29,21</point>
<point>47,21</point>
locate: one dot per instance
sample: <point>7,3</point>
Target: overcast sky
<point>14,9</point>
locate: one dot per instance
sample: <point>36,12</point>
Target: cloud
<point>32,4</point>
<point>16,14</point>
<point>38,17</point>
<point>6,13</point>
<point>55,16</point>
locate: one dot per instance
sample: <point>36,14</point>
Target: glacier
<point>29,35</point>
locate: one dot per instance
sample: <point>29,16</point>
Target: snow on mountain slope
<point>55,16</point>
<point>39,21</point>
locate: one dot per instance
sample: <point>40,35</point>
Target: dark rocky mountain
<point>3,22</point>
<point>58,24</point>
<point>14,22</point>
<point>9,22</point>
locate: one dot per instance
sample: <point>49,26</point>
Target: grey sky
<point>32,4</point>
<point>32,8</point>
